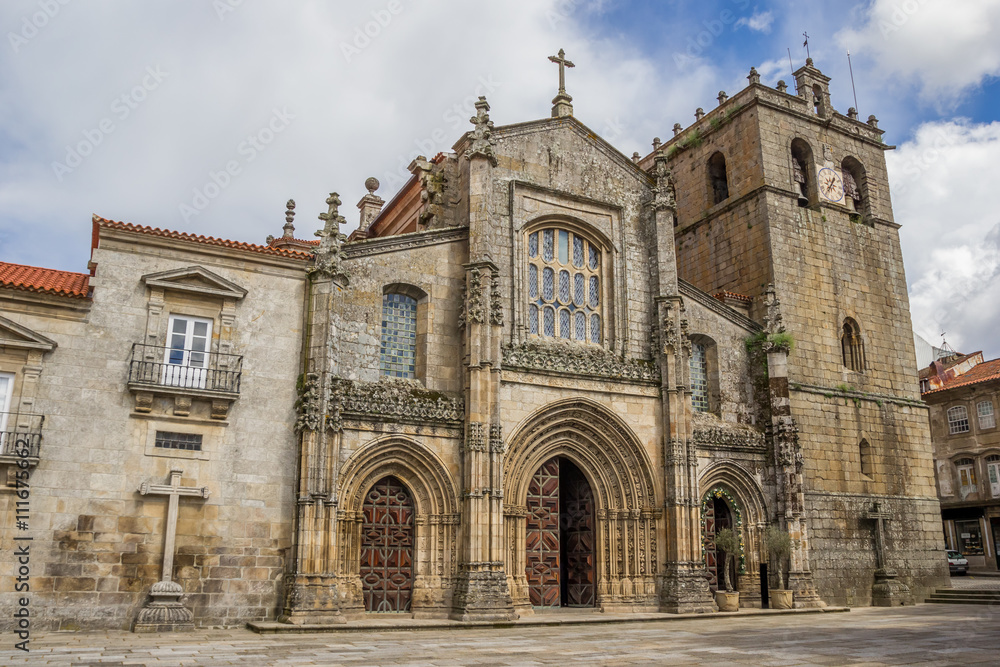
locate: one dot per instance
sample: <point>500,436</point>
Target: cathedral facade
<point>544,374</point>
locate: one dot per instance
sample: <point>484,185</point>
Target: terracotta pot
<point>779,598</point>
<point>728,600</point>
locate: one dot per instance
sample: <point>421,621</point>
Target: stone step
<point>964,596</point>
<point>983,601</point>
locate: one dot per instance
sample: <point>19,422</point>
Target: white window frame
<point>186,366</point>
<point>966,477</point>
<point>986,419</point>
<point>954,423</point>
<point>993,474</point>
<point>5,399</point>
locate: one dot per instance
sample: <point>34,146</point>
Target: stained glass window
<point>569,265</point>
<point>398,351</point>
<point>699,378</point>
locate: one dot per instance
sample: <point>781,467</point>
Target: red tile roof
<point>46,281</point>
<point>104,223</point>
<point>721,296</point>
<point>984,372</point>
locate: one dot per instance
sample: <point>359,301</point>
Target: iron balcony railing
<point>20,434</point>
<point>187,369</point>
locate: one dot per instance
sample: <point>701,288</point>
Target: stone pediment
<point>16,336</point>
<point>196,279</point>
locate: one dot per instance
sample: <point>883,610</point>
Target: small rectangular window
<point>958,420</point>
<point>190,442</point>
<point>987,419</point>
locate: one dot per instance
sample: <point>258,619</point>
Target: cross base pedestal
<point>887,591</point>
<point>164,611</point>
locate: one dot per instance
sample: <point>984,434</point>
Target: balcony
<point>184,376</point>
<point>20,437</point>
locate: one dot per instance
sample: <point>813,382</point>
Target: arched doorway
<point>718,514</point>
<point>559,563</point>
<point>387,547</point>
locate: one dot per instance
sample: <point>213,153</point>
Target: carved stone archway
<point>436,520</point>
<point>742,493</point>
<point>618,470</point>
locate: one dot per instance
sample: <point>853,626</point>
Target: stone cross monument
<point>164,611</point>
<point>886,591</point>
<point>562,104</point>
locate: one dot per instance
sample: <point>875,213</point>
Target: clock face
<point>831,185</point>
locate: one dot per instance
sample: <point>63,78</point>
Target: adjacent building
<point>963,392</point>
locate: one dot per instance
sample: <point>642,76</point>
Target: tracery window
<point>565,291</point>
<point>699,378</point>
<point>398,348</point>
<point>958,420</point>
<point>852,346</point>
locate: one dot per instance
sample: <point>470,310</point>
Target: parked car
<point>957,563</point>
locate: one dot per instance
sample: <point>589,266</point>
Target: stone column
<point>312,589</point>
<point>683,581</point>
<point>482,591</point>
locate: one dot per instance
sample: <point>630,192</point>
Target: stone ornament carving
<point>664,195</point>
<point>482,135</point>
<point>496,438</point>
<point>394,399</point>
<point>475,441</point>
<point>307,404</point>
<point>786,444</point>
<point>475,309</point>
<point>674,332</point>
<point>720,434</point>
<point>577,359</point>
<point>327,256</point>
<point>496,306</point>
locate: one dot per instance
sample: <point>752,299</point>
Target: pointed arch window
<point>566,286</point>
<point>852,346</point>
<point>855,185</point>
<point>801,170</point>
<point>699,377</point>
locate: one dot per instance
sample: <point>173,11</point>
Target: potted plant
<point>779,544</point>
<point>728,540</point>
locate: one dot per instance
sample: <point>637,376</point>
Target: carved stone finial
<point>809,62</point>
<point>782,86</point>
<point>329,262</point>
<point>852,113</point>
<point>371,184</point>
<point>656,143</point>
<point>636,157</point>
<point>722,97</point>
<point>663,197</point>
<point>753,77</point>
<point>482,135</point>
<point>677,129</point>
<point>289,228</point>
<point>873,121</point>
<point>699,113</point>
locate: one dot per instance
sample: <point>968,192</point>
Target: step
<point>982,601</point>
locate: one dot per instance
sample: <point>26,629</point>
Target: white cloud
<point>943,47</point>
<point>360,91</point>
<point>758,21</point>
<point>951,231</point>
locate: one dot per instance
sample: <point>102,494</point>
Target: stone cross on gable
<point>879,517</point>
<point>562,103</point>
<point>173,491</point>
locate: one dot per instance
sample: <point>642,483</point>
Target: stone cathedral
<point>543,374</point>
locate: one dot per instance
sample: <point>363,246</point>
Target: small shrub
<point>729,541</point>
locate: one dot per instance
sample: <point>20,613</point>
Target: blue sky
<point>162,96</point>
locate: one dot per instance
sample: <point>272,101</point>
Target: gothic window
<point>569,302</point>
<point>802,170</point>
<point>958,420</point>
<point>987,419</point>
<point>852,347</point>
<point>865,452</point>
<point>717,179</point>
<point>854,185</point>
<point>699,378</point>
<point>398,349</point>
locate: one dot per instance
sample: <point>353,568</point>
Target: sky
<point>206,116</point>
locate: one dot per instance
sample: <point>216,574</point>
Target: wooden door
<point>576,517</point>
<point>542,538</point>
<point>387,547</point>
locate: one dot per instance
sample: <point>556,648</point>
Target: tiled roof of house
<point>100,222</point>
<point>721,296</point>
<point>988,370</point>
<point>46,281</point>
